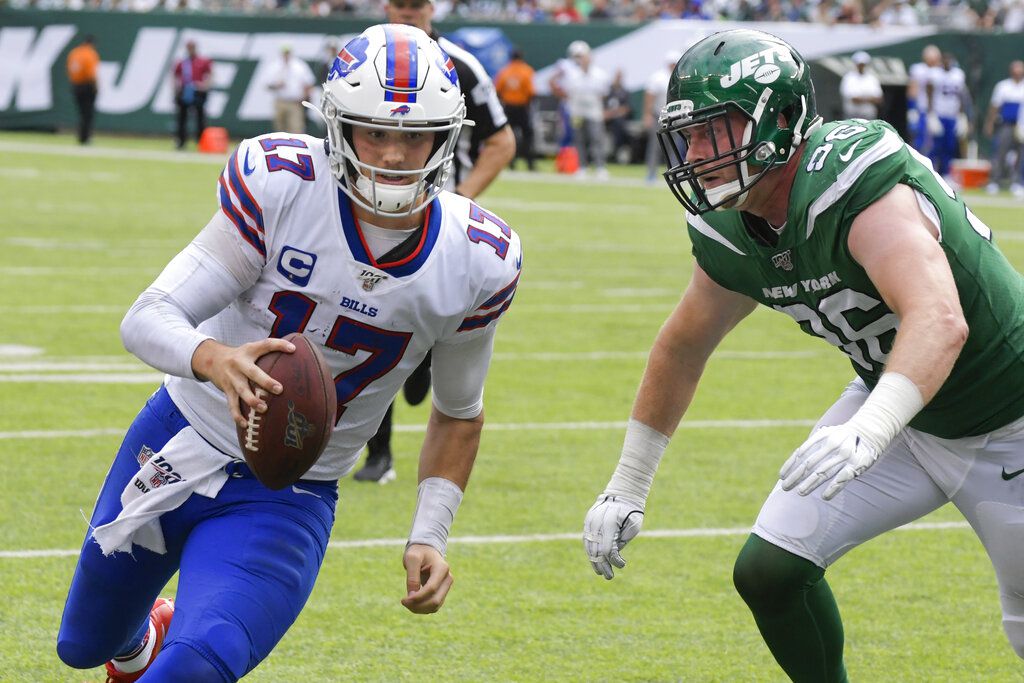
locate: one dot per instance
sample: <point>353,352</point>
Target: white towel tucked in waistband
<point>186,464</point>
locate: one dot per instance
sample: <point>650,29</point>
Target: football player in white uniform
<point>351,241</point>
<point>919,97</point>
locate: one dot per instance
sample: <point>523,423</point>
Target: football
<point>281,444</point>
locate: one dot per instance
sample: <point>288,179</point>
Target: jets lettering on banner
<point>762,65</point>
<point>813,285</point>
<point>143,81</point>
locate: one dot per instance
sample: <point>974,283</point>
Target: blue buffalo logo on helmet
<point>401,110</point>
<point>349,59</point>
<point>448,68</point>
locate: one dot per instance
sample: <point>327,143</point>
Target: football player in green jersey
<point>848,231</point>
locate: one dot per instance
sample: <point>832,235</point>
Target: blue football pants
<point>247,560</point>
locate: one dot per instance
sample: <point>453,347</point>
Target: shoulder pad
<point>261,172</point>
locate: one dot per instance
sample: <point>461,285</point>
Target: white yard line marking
<point>111,378</point>
<point>28,271</point>
<point>491,427</point>
<point>114,153</point>
<point>503,539</point>
<point>63,433</point>
<point>85,309</point>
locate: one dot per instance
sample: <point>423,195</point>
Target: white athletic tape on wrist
<point>641,454</point>
<point>890,407</point>
<point>437,501</point>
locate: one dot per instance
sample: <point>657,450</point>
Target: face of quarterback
<point>709,139</point>
<point>393,150</point>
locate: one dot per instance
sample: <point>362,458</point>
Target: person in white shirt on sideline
<point>583,87</point>
<point>292,82</point>
<point>1002,127</point>
<point>860,89</point>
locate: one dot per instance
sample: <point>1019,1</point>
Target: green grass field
<point>84,231</point>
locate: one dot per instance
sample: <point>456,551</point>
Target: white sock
<point>138,661</point>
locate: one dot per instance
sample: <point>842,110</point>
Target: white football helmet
<point>392,76</point>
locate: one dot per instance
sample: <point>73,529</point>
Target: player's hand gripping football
<point>836,451</point>
<point>611,523</point>
<point>233,370</point>
<point>428,579</point>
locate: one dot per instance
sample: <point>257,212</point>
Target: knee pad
<point>765,573</point>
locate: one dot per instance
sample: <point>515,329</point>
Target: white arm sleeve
<point>458,372</point>
<point>210,273</point>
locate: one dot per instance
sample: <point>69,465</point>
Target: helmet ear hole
<point>786,116</point>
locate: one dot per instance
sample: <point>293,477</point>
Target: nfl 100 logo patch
<point>164,474</point>
<point>783,260</point>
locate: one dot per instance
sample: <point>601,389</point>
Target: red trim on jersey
<point>400,262</point>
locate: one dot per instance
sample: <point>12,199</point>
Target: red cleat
<point>160,618</point>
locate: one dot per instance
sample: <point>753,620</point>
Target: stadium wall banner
<point>138,52</point>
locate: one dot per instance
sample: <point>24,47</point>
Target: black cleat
<point>378,468</point>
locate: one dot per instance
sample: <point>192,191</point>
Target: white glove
<point>963,126</point>
<point>611,523</point>
<point>836,451</point>
<point>934,125</point>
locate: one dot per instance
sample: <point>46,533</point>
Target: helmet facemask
<point>729,151</point>
<point>359,179</point>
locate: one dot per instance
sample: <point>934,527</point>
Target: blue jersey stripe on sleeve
<point>245,198</point>
<point>250,235</point>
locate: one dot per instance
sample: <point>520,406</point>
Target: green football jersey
<point>811,276</point>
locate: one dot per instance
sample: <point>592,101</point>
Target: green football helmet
<point>751,73</point>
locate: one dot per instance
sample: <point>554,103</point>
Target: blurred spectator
<point>655,94</point>
<point>291,82</point>
<point>900,13</point>
<point>83,65</point>
<point>514,84</point>
<point>618,111</point>
<point>1010,15</point>
<point>599,11</point>
<point>949,120</point>
<point>567,13</point>
<point>1004,115</point>
<point>192,75</point>
<point>582,87</point>
<point>331,50</point>
<point>860,89</point>
<point>527,12</point>
<point>850,12</point>
<point>919,97</point>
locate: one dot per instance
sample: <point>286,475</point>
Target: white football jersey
<point>922,74</point>
<point>947,96</point>
<point>374,321</point>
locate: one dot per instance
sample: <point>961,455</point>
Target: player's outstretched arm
<point>446,460</point>
<point>702,318</point>
<point>899,249</point>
